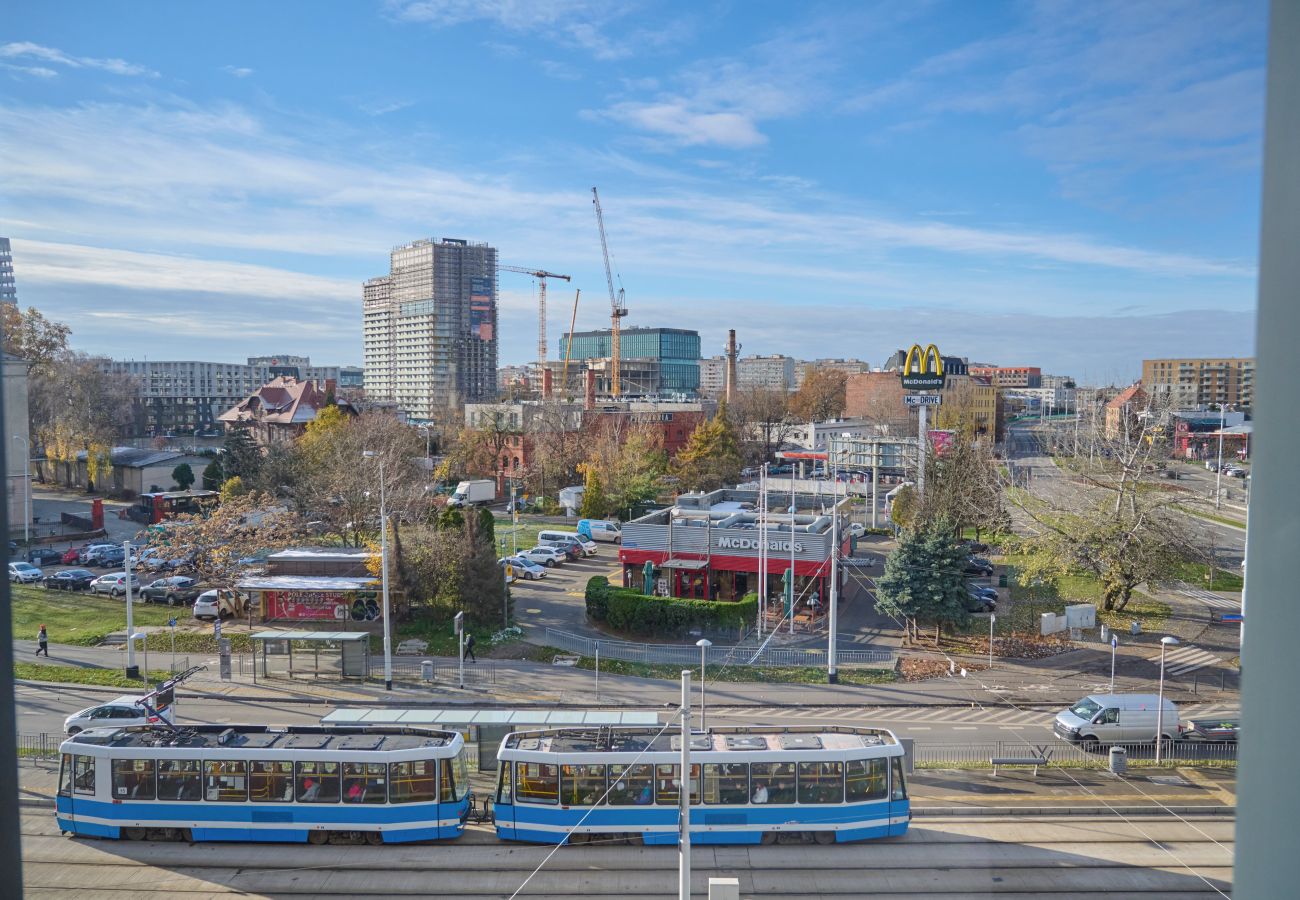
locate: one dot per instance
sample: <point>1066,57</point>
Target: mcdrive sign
<point>744,543</point>
<point>922,369</point>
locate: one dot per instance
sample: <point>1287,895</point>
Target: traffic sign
<point>1114,641</point>
<point>172,621</point>
<point>922,399</point>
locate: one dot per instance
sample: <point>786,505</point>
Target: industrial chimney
<point>589,389</point>
<point>548,383</point>
<point>733,349</point>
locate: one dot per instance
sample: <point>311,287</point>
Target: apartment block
<point>8,290</point>
<point>713,376</point>
<point>669,357</point>
<point>1188,383</point>
<point>1010,376</point>
<point>771,372</point>
<point>430,327</point>
<point>847,366</point>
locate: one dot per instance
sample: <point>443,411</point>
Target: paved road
<point>1067,857</point>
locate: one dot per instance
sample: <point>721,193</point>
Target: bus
<point>152,508</point>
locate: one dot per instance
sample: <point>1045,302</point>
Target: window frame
<point>880,780</point>
<point>521,796</point>
<point>181,771</point>
<point>366,777</point>
<point>639,775</point>
<point>581,784</point>
<point>276,777</point>
<point>121,791</point>
<point>396,777</point>
<point>825,777</point>
<point>776,771</point>
<point>897,781</point>
<point>322,777</point>
<point>713,775</point>
<point>673,771</point>
<point>239,771</point>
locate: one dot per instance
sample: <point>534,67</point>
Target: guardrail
<point>411,668</point>
<point>739,655</point>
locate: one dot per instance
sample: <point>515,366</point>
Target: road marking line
<point>1213,787</point>
<point>965,727</point>
<point>918,727</point>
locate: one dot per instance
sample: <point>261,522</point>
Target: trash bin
<point>426,670</point>
<point>1002,580</point>
<point>1105,635</point>
<point>1118,760</point>
<point>1135,627</point>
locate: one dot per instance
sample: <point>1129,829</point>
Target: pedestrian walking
<point>43,643</point>
<point>469,648</point>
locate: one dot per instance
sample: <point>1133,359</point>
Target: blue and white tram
<point>264,783</point>
<point>823,783</point>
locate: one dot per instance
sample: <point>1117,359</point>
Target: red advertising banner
<point>322,606</point>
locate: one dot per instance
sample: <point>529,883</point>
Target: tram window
<point>83,774</point>
<point>631,785</point>
<point>726,783</point>
<point>462,775</point>
<point>179,779</point>
<point>864,779</point>
<point>821,782</point>
<point>364,783</point>
<point>582,785</point>
<point>772,782</point>
<point>447,783</point>
<point>536,782</point>
<point>271,782</point>
<point>413,782</point>
<point>65,775</point>
<point>898,790</point>
<point>504,793</point>
<point>226,781</point>
<point>668,782</point>
<point>318,782</point>
<point>133,779</point>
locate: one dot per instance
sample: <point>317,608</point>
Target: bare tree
<point>763,422</point>
<point>76,408</point>
<point>821,396</point>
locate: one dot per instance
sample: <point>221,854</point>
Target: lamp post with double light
<point>1165,643</point>
<point>383,562</point>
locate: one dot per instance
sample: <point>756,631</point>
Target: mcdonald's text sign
<point>922,369</point>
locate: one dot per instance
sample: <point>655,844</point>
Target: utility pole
<point>132,671</point>
<point>684,796</point>
<point>832,674</point>
<point>1218,470</point>
<point>762,548</point>
<point>921,444</point>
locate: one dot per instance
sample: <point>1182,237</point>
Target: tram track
<point>1082,856</point>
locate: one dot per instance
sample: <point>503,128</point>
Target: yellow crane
<point>564,377</point>
<point>541,277</point>
<point>617,305</point>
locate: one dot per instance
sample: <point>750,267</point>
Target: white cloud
<point>674,119</point>
<point>237,71</point>
<point>34,71</point>
<point>28,50</point>
<point>578,23</point>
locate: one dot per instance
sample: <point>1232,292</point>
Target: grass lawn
<point>78,675</point>
<point>72,618</point>
<point>1031,601</point>
<point>526,536</point>
<point>1212,517</point>
<point>729,674</point>
<point>1198,574</point>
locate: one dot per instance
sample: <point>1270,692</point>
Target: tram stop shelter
<point>314,654</point>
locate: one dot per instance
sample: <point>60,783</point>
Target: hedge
<point>631,612</point>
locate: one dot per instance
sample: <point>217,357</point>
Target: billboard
<point>922,369</point>
<point>482,307</point>
<point>322,606</point>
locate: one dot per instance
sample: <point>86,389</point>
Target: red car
<point>71,556</point>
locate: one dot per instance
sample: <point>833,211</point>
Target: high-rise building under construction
<point>430,327</point>
<point>8,291</point>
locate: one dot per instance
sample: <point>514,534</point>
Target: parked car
<point>70,580</point>
<point>113,584</point>
<point>586,546</point>
<point>172,590</point>
<point>980,590</point>
<point>981,603</point>
<point>13,548</point>
<point>24,573</point>
<point>44,556</point>
<point>600,530</point>
<point>545,556</point>
<point>223,604</point>
<point>856,529</point>
<point>572,552</point>
<point>86,554</point>
<point>1116,719</point>
<point>523,567</point>
<point>973,547</point>
<point>1234,472</point>
<point>72,555</point>
<point>108,558</point>
<point>114,714</point>
<point>977,565</point>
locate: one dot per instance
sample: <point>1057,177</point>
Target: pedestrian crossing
<point>1209,598</point>
<point>1185,660</point>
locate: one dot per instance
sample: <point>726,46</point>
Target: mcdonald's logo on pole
<point>923,369</point>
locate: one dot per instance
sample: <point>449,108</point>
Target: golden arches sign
<point>922,369</point>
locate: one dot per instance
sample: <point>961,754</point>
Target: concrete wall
<point>17,441</point>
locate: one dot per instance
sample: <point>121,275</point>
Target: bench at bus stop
<point>1035,761</point>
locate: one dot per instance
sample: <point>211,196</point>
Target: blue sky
<point>1058,184</point>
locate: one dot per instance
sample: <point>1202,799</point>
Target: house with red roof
<point>1125,408</point>
<point>278,412</point>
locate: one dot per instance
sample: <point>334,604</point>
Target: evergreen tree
<point>594,504</point>
<point>214,475</point>
<point>711,458</point>
<point>183,475</point>
<point>924,579</point>
<point>242,456</point>
<point>483,588</point>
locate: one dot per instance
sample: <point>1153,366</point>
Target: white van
<point>567,537</point>
<point>1116,719</point>
<point>600,530</point>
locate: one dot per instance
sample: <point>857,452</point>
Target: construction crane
<point>564,377</point>
<point>618,308</point>
<point>541,277</point>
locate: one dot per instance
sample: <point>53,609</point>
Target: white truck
<point>471,493</point>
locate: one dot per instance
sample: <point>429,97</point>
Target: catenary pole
<point>684,796</point>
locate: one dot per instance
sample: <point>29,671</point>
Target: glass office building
<point>676,350</point>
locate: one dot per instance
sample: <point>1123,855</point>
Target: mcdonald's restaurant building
<point>707,546</point>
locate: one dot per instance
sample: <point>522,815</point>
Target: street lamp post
<point>383,563</point>
<point>1114,643</point>
<point>27,492</point>
<point>1218,470</point>
<point>704,644</point>
<point>992,618</point>
<point>1165,643</point>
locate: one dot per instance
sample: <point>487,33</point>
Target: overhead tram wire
<point>1110,808</point>
<point>685,782</point>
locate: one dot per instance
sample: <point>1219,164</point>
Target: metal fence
<point>1174,753</point>
<point>739,655</point>
<point>411,668</point>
